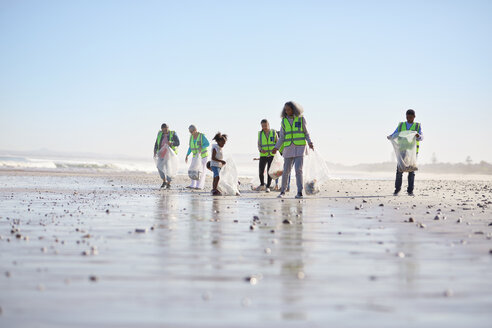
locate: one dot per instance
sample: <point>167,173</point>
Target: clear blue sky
<point>101,76</point>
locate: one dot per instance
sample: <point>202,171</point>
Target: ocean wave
<point>16,162</point>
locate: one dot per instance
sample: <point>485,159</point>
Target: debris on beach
<point>93,278</point>
<point>287,221</point>
<point>400,254</point>
<point>448,293</point>
<point>253,280</point>
<point>141,230</point>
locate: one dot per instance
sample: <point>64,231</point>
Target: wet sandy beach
<point>99,250</point>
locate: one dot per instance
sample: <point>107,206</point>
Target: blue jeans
<point>288,163</point>
<point>215,170</point>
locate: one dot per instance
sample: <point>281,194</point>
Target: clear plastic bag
<point>277,168</point>
<point>315,172</point>
<point>167,161</point>
<point>196,169</point>
<point>405,146</point>
<point>229,182</point>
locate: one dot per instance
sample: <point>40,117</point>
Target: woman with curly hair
<point>293,137</point>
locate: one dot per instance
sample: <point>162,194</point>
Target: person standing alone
<point>409,125</point>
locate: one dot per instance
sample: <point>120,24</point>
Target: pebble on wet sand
<point>448,293</point>
<point>400,254</point>
<point>93,278</point>
<point>287,221</point>
<point>252,280</point>
<point>411,220</point>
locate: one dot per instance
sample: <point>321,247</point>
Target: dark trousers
<point>265,161</point>
<point>399,181</point>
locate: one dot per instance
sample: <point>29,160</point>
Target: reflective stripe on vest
<point>294,133</point>
<point>267,144</point>
<point>171,140</point>
<point>197,147</point>
<point>415,127</point>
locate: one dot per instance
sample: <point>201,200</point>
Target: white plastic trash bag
<point>405,146</point>
<point>277,167</point>
<point>196,169</point>
<point>167,161</point>
<point>229,182</point>
<point>315,172</point>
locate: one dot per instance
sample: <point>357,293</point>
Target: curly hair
<point>296,108</point>
<point>220,137</point>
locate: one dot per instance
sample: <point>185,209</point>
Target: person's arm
<point>176,142</point>
<point>281,138</point>
<point>156,146</point>
<point>259,143</point>
<point>205,142</point>
<point>306,133</point>
<point>214,154</point>
<point>421,136</point>
<point>394,134</point>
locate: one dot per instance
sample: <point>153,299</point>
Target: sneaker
<point>410,193</point>
<point>299,196</point>
<point>190,187</point>
<point>163,185</point>
<point>168,185</point>
<point>267,190</point>
<point>396,193</point>
<point>260,188</point>
<point>288,189</point>
<point>281,195</point>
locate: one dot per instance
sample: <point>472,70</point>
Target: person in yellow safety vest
<point>409,125</point>
<point>267,138</point>
<point>199,147</point>
<point>164,138</point>
<point>293,137</point>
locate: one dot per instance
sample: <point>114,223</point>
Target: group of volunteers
<point>290,141</point>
